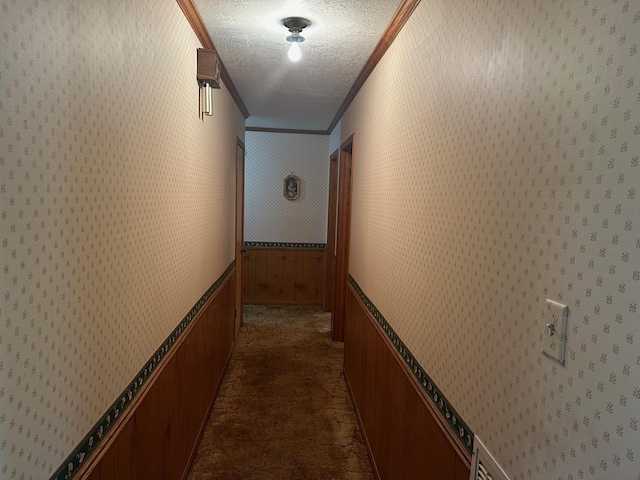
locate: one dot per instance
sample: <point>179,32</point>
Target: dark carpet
<point>283,410</point>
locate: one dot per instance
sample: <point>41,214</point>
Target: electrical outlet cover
<point>555,331</point>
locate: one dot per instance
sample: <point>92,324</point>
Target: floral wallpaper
<point>269,216</point>
<point>116,209</point>
<point>496,165</point>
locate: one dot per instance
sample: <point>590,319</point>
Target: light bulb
<point>294,52</point>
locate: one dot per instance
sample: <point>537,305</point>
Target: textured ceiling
<point>278,93</point>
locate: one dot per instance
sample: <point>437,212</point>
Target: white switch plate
<point>555,331</point>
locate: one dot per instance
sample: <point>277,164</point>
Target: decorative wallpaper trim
<point>284,245</point>
<point>71,465</point>
<point>448,413</point>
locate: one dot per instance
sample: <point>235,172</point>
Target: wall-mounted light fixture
<point>295,26</point>
<point>208,75</point>
<point>206,99</point>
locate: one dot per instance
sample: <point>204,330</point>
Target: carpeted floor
<point>283,411</point>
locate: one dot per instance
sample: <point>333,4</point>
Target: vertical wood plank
<point>462,471</point>
<point>275,264</point>
<point>363,339</point>
<point>177,448</point>
<point>289,258</point>
<point>95,474</point>
<point>411,423</point>
<point>372,373</point>
<point>384,392</point>
<point>352,343</point>
<point>147,435</point>
<point>398,421</point>
<point>310,276</point>
<point>433,447</point>
<point>249,280</point>
<point>299,283</point>
<point>216,333</point>
<point>106,465</point>
<point>122,452</point>
<point>261,275</point>
<point>448,462</point>
<point>320,254</point>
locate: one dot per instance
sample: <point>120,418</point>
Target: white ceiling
<point>250,39</point>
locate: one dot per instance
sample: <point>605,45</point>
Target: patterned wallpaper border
<point>90,442</point>
<point>284,245</point>
<point>445,408</point>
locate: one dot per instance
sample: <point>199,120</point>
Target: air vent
<point>483,465</point>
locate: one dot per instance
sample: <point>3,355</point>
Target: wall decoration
<point>291,188</point>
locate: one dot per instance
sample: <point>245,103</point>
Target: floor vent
<point>483,465</point>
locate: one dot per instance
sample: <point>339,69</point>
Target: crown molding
<point>286,130</point>
<point>398,21</point>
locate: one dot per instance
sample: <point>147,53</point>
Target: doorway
<point>239,241</point>
<point>343,237</point>
<point>330,253</point>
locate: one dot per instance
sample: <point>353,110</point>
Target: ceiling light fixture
<point>295,26</point>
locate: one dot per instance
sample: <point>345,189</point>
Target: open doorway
<point>330,253</point>
<point>239,241</point>
<point>343,236</point>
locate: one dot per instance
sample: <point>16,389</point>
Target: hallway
<point>283,410</point>
<point>493,264</point>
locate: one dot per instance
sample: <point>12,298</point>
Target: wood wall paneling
<point>309,276</point>
<point>462,470</point>
<point>94,475</point>
<point>284,276</point>
<point>409,449</point>
<point>106,465</point>
<point>261,276</point>
<point>403,433</point>
<point>122,451</point>
<point>249,277</point>
<point>448,462</point>
<point>320,283</point>
<point>289,260</point>
<point>275,267</point>
<point>157,436</point>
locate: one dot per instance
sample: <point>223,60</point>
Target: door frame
<point>343,239</point>
<point>239,233</point>
<point>330,252</point>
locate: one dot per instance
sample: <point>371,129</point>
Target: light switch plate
<point>555,331</point>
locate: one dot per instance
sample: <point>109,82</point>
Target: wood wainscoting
<point>404,434</point>
<point>283,276</point>
<point>157,436</point>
